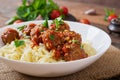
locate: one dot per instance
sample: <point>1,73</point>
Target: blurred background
<point>109,3</point>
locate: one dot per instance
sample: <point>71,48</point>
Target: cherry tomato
<point>85,21</point>
<point>113,16</point>
<point>64,10</point>
<point>18,21</point>
<point>54,14</point>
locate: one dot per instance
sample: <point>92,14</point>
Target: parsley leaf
<point>51,37</point>
<point>29,11</point>
<point>108,12</point>
<point>18,43</point>
<point>10,21</point>
<point>58,21</point>
<point>24,2</point>
<point>81,46</point>
<point>52,5</point>
<point>57,24</point>
<point>45,24</point>
<point>21,27</point>
<point>74,41</point>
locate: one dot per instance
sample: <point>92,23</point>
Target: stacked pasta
<point>37,54</point>
<point>26,53</point>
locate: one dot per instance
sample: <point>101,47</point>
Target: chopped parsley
<point>45,23</point>
<point>74,41</point>
<point>58,21</point>
<point>18,43</point>
<point>56,24</point>
<point>21,27</point>
<point>42,31</point>
<point>51,37</point>
<point>81,46</point>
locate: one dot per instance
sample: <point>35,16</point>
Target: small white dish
<point>99,39</point>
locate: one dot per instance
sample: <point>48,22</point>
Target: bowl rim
<point>37,63</point>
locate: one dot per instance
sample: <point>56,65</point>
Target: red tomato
<point>85,21</point>
<point>112,17</point>
<point>64,10</point>
<point>18,21</point>
<point>54,14</point>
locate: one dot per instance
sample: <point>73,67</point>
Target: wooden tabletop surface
<point>8,9</point>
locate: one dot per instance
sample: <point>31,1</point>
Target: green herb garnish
<point>21,28</point>
<point>108,12</point>
<point>56,24</point>
<point>58,21</point>
<point>30,11</point>
<point>45,23</point>
<point>18,43</point>
<point>75,41</point>
<point>42,31</point>
<point>51,37</point>
<point>81,46</point>
<point>24,2</point>
<point>10,21</point>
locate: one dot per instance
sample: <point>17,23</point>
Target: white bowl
<point>99,39</point>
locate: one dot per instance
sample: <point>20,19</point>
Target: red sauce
<point>64,43</point>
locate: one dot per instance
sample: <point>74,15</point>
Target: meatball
<point>28,29</point>
<point>72,37</point>
<point>36,34</point>
<point>73,52</point>
<point>57,54</point>
<point>42,28</point>
<point>9,35</point>
<point>52,39</point>
<point>61,27</point>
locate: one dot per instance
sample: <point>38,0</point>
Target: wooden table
<point>8,9</point>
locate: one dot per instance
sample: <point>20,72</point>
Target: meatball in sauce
<point>64,43</point>
<point>9,35</point>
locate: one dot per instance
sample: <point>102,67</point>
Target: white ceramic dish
<point>99,39</point>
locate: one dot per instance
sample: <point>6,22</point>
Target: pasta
<point>37,54</point>
<point>44,43</point>
<point>26,53</point>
